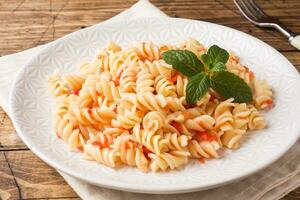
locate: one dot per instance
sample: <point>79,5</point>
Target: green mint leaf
<point>183,61</point>
<point>219,67</point>
<point>197,87</point>
<point>206,60</point>
<point>217,54</point>
<point>229,85</point>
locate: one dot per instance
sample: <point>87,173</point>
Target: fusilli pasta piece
<point>106,156</point>
<point>74,82</point>
<point>200,123</point>
<point>223,115</point>
<point>256,121</point>
<point>172,160</point>
<point>57,86</point>
<point>164,86</point>
<point>150,139</point>
<point>263,94</point>
<point>206,147</point>
<point>147,51</point>
<point>70,135</point>
<point>231,138</point>
<point>127,120</point>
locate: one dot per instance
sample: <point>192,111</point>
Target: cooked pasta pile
<point>128,107</point>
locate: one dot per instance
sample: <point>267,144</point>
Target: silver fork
<point>258,17</point>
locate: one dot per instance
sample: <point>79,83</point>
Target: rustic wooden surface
<point>28,23</point>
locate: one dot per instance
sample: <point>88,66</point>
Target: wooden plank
<point>293,195</point>
<point>35,178</point>
<point>8,186</point>
<point>9,139</point>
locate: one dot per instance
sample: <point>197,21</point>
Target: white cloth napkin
<point>271,183</point>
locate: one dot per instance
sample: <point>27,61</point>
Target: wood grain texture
<point>28,23</point>
<point>34,178</point>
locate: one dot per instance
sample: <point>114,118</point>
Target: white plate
<point>31,105</point>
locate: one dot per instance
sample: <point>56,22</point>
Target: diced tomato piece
<point>75,126</point>
<point>146,152</point>
<point>177,125</point>
<point>90,111</point>
<point>97,143</point>
<point>201,160</point>
<point>173,79</point>
<point>205,136</point>
<point>101,144</point>
<point>98,94</point>
<point>106,143</point>
<point>76,92</point>
<point>126,145</point>
<point>269,102</point>
<point>117,83</point>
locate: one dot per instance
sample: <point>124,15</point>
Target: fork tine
<point>251,9</point>
<point>245,10</point>
<point>258,10</point>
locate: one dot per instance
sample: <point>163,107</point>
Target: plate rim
<point>123,186</point>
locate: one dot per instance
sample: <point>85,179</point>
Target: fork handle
<point>293,38</point>
<point>295,41</point>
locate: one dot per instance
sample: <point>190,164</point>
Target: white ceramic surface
<point>32,105</point>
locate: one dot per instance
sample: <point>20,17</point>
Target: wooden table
<point>28,23</point>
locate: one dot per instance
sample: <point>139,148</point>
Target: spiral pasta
<point>159,67</point>
<point>144,81</point>
<point>204,149</point>
<point>149,138</point>
<point>147,51</point>
<point>164,86</point>
<point>193,46</point>
<point>232,138</point>
<point>68,133</point>
<point>172,160</point>
<point>128,80</point>
<point>127,120</point>
<point>127,106</point>
<point>94,116</point>
<point>130,153</point>
<point>240,116</point>
<point>234,66</point>
<point>263,94</point>
<point>200,123</point>
<point>223,115</point>
<point>105,156</point>
<point>74,82</point>
<point>176,142</point>
<point>57,86</point>
<point>256,121</point>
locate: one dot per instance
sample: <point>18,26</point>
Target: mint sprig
<point>183,61</point>
<point>217,54</point>
<point>209,72</point>
<point>229,85</point>
<point>197,87</point>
